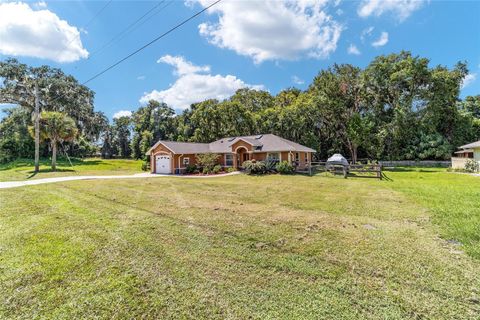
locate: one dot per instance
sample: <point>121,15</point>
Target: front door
<point>244,157</point>
<point>162,164</point>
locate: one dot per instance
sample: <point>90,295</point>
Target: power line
<point>90,21</point>
<point>145,46</point>
<point>97,14</point>
<point>119,36</point>
<point>151,42</point>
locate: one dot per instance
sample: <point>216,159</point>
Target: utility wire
<point>133,26</point>
<point>97,14</point>
<point>91,20</point>
<point>151,42</point>
<point>145,46</point>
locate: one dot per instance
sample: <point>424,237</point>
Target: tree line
<point>398,107</point>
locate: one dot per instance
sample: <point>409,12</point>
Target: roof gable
<point>471,145</point>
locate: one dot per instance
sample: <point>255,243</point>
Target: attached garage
<point>163,163</point>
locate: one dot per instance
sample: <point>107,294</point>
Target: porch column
<point>235,160</point>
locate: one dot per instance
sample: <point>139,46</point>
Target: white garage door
<point>162,164</point>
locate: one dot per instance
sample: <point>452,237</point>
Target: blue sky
<point>270,45</point>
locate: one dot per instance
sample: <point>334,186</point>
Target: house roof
<point>471,145</point>
<point>262,143</point>
<point>182,147</point>
<point>464,151</point>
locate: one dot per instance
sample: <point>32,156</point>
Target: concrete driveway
<point>15,184</point>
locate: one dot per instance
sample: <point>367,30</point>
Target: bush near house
<point>255,167</point>
<point>191,168</point>
<point>472,166</point>
<point>217,169</point>
<point>207,161</point>
<point>285,167</point>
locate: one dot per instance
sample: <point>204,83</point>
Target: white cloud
<point>383,40</point>
<point>401,9</point>
<point>141,77</point>
<point>122,113</point>
<point>469,78</point>
<point>39,34</point>
<point>366,33</point>
<point>182,66</point>
<point>297,80</point>
<point>191,86</point>
<point>273,30</point>
<point>40,4</point>
<point>352,49</point>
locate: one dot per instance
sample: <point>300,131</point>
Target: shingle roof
<point>263,143</point>
<point>471,145</point>
<point>183,147</point>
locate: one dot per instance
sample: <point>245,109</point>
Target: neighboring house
<point>174,157</point>
<point>468,151</point>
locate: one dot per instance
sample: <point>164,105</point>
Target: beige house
<point>173,157</point>
<point>466,152</point>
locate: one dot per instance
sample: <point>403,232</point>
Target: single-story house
<point>173,157</point>
<point>468,151</point>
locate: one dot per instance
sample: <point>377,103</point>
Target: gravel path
<point>15,184</point>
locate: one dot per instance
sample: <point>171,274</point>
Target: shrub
<point>207,161</point>
<point>231,169</point>
<point>255,167</point>
<point>191,168</point>
<point>271,166</point>
<point>285,167</point>
<point>217,169</point>
<point>472,166</point>
<point>145,166</point>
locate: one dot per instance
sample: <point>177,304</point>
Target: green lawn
<point>271,247</point>
<point>22,169</point>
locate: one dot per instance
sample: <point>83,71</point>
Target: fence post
<point>345,172</point>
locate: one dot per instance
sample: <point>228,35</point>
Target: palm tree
<point>56,127</point>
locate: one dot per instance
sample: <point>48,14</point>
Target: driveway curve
<point>16,184</point>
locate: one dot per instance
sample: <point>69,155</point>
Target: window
<point>228,160</point>
<point>274,157</point>
<point>186,161</point>
<point>306,157</point>
<point>297,157</point>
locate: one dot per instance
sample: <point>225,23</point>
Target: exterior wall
<point>303,159</point>
<point>259,156</point>
<point>178,161</point>
<point>459,162</point>
<point>221,160</point>
<point>179,158</point>
<point>476,154</point>
<point>241,143</point>
<point>160,149</point>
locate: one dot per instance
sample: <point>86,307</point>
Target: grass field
<point>272,247</point>
<point>22,169</point>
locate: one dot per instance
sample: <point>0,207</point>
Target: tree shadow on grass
<point>33,173</point>
<point>62,162</point>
